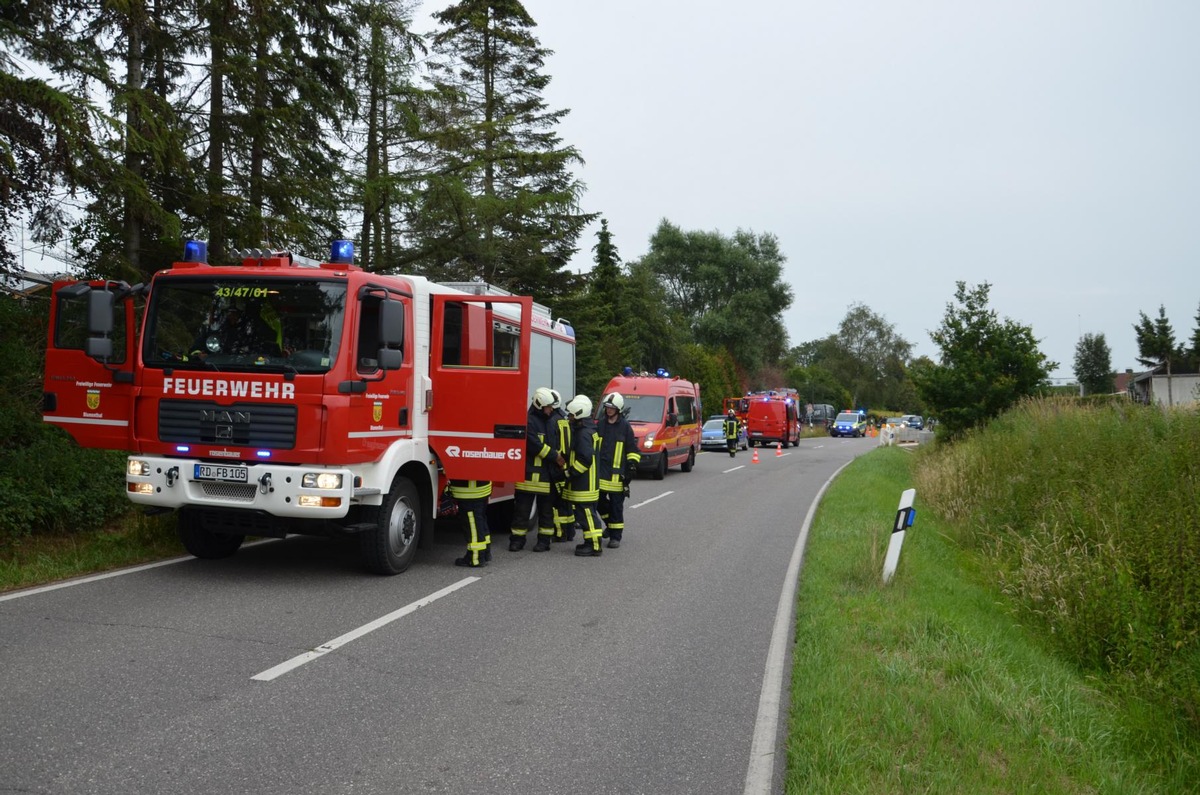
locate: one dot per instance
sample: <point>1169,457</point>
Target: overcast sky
<point>1050,148</point>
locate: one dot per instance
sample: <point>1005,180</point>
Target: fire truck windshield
<point>244,324</point>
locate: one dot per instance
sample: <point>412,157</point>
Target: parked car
<point>896,422</point>
<point>914,421</point>
<point>822,415</point>
<point>712,435</point>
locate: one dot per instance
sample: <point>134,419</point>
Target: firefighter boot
<point>516,543</point>
<point>466,560</point>
<point>614,541</point>
<point>543,544</point>
<point>590,548</point>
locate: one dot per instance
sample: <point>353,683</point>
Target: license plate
<point>233,474</point>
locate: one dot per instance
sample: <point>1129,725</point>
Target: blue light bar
<point>263,453</point>
<point>182,448</point>
<point>343,252</point>
<point>195,251</point>
<point>662,372</point>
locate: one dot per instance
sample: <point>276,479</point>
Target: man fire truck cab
<point>284,395</point>
<point>774,418</point>
<point>666,418</point>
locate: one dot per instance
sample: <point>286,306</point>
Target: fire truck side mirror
<point>100,312</point>
<point>391,335</point>
<point>98,345</point>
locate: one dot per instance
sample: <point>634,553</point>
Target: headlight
<point>648,442</point>
<point>321,480</point>
<point>137,468</point>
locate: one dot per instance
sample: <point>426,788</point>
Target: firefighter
<point>617,458</point>
<point>472,499</point>
<point>564,513</point>
<point>731,433</point>
<point>582,488</point>
<point>541,452</point>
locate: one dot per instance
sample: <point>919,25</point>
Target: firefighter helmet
<point>731,413</point>
<point>614,401</point>
<point>579,407</point>
<point>557,398</point>
<point>542,397</point>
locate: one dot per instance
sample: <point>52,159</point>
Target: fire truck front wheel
<point>392,545</point>
<point>202,542</point>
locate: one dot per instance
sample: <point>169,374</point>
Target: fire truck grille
<point>265,425</point>
<point>232,492</point>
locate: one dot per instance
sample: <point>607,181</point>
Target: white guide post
<point>905,516</point>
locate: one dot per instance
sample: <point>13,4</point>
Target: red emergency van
<point>666,417</point>
<point>774,418</point>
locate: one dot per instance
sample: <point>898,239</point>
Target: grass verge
<point>929,684</point>
<point>34,560</point>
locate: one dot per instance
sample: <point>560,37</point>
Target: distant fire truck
<point>284,395</point>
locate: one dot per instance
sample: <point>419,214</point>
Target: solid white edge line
<point>652,499</point>
<point>761,771</point>
<point>354,634</point>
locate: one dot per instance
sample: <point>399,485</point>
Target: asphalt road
<point>636,672</point>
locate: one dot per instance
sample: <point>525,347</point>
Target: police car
<point>849,423</point>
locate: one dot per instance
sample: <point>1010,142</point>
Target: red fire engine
<point>284,395</point>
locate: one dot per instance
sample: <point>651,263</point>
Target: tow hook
<point>172,476</point>
<point>264,484</point>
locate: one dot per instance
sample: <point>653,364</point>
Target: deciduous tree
<point>728,290</point>
<point>1093,365</point>
<point>986,364</point>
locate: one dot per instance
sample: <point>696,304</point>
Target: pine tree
<point>1155,340</point>
<point>379,146</point>
<point>47,128</point>
<point>278,92</point>
<point>499,203</point>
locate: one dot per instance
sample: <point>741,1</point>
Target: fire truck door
<point>479,369</point>
<point>90,398</point>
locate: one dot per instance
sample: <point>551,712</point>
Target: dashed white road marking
<point>652,499</point>
<point>354,634</point>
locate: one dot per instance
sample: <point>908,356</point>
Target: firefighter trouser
<point>587,518</point>
<point>473,518</point>
<point>612,511</point>
<point>523,506</point>
<point>564,512</point>
<point>732,445</point>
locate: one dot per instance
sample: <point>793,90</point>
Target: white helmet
<point>557,398</point>
<point>614,400</point>
<point>580,407</point>
<point>542,397</point>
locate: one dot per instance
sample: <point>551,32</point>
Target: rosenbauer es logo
<point>454,451</point>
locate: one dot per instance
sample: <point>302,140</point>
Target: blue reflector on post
<point>195,251</point>
<point>343,252</point>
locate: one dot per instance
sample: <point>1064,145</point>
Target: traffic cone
<point>778,449</point>
<point>754,458</point>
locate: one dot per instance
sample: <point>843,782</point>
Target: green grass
<point>929,684</point>
<point>38,559</point>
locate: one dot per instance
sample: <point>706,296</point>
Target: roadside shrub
<point>52,485</point>
<point>47,482</point>
<point>1090,513</point>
